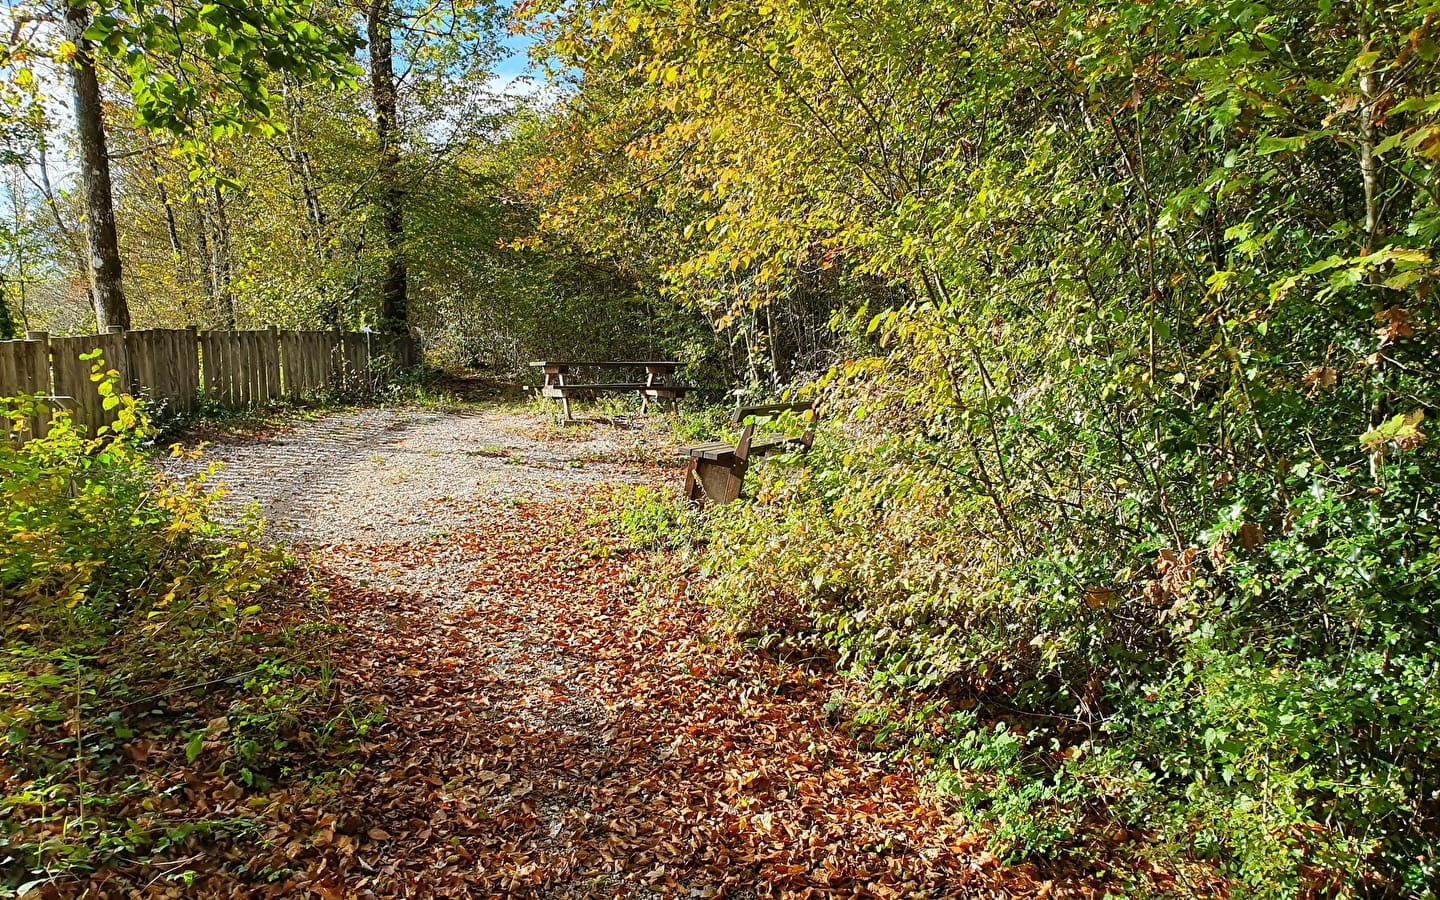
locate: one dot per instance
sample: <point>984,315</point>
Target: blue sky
<point>518,62</point>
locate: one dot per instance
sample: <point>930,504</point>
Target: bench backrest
<point>744,412</point>
<point>748,414</point>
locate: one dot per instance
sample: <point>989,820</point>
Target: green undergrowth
<point>588,412</point>
<point>654,518</point>
<point>1268,704</point>
<point>1259,703</point>
<point>163,676</point>
<point>698,424</point>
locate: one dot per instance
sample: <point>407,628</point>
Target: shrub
<point>1264,698</point>
<point>653,519</point>
<point>120,588</point>
<point>93,535</point>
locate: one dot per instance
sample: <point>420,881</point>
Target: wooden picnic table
<point>657,385</point>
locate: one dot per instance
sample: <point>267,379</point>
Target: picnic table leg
<point>650,383</point>
<point>564,400</point>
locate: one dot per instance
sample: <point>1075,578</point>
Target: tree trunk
<point>221,268</point>
<point>62,232</point>
<point>394,290</point>
<point>299,159</point>
<point>158,174</point>
<point>202,249</point>
<point>1371,181</point>
<point>104,262</point>
<point>7,321</point>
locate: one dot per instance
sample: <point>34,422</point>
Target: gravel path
<point>392,475</point>
<point>387,499</point>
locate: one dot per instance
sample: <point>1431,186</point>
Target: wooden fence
<point>179,367</point>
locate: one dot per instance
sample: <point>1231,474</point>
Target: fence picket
<point>174,366</point>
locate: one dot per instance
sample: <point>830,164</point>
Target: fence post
<point>190,352</point>
<point>272,363</point>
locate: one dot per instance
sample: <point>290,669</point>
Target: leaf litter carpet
<point>556,726</point>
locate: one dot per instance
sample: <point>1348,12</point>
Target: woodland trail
<point>556,725</point>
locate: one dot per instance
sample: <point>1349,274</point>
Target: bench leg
<point>713,481</point>
<point>565,405</point>
<point>733,483</point>
<point>692,484</point>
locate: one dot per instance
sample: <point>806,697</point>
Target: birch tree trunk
<point>104,259</point>
<point>299,160</point>
<point>171,228</point>
<point>221,264</point>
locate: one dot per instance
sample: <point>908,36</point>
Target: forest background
<point>1121,313</point>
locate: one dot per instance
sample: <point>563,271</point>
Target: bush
<point>1264,700</point>
<point>1138,309</point>
<point>132,631</point>
<point>94,535</point>
<point>652,519</point>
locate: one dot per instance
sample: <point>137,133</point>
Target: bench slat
<point>679,389</point>
<point>561,390</point>
<point>614,364</point>
<point>714,454</point>
<point>745,412</point>
<point>719,450</point>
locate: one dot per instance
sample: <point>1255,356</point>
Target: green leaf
<point>195,746</point>
<point>1268,145</point>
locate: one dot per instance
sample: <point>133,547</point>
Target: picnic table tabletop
<point>609,364</point>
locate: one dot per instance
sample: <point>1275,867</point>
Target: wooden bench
<point>656,387</point>
<point>717,470</point>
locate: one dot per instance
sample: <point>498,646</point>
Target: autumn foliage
<point>1133,363</point>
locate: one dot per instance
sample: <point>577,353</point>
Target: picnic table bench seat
<point>577,390</point>
<point>724,451</point>
<point>717,469</point>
